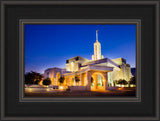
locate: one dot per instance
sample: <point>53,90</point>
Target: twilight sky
<point>48,46</point>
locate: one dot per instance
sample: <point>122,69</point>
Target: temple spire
<point>97,49</point>
<point>96,35</point>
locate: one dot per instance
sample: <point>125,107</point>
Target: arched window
<point>99,81</point>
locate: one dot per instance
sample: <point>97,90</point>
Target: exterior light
<point>30,90</point>
<point>47,89</point>
<point>61,87</point>
<point>131,85</point>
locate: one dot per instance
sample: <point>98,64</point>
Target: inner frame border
<point>22,23</point>
<point>3,3</point>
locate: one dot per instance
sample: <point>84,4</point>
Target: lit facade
<point>95,74</point>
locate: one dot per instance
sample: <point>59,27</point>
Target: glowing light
<point>132,85</point>
<point>61,87</point>
<point>30,90</point>
<point>120,88</point>
<point>47,89</point>
<point>118,85</point>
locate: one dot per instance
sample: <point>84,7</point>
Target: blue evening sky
<point>48,46</point>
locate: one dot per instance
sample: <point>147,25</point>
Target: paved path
<point>56,93</point>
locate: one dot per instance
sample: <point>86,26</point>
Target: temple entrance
<point>97,81</point>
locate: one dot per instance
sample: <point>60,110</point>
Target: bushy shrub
<point>36,82</point>
<point>132,80</point>
<point>122,82</point>
<point>61,80</point>
<point>47,81</point>
<point>30,77</point>
<point>77,79</point>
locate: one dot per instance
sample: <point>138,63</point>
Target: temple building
<point>95,74</point>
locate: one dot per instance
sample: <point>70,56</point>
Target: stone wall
<point>81,88</point>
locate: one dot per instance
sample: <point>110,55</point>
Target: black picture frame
<point>14,108</point>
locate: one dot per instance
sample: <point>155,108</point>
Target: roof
<point>90,67</point>
<point>76,57</point>
<point>104,60</point>
<point>53,68</point>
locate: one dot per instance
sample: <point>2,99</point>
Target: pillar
<point>80,79</point>
<point>41,82</point>
<point>83,80</point>
<point>68,82</point>
<point>71,81</point>
<point>95,81</point>
<point>56,83</point>
<point>53,81</point>
<point>106,80</point>
<point>88,76</point>
<point>74,82</point>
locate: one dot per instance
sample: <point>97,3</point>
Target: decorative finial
<point>96,35</point>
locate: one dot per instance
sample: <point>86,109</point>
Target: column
<point>95,81</point>
<point>41,82</point>
<point>71,81</point>
<point>53,81</point>
<point>68,83</point>
<point>88,76</point>
<point>56,83</point>
<point>106,80</point>
<point>65,81</point>
<point>80,79</point>
<point>74,82</point>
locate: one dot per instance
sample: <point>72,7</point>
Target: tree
<point>132,80</point>
<point>30,77</point>
<point>122,82</point>
<point>47,81</point>
<point>61,80</point>
<point>37,82</point>
<point>29,81</point>
<point>77,79</point>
